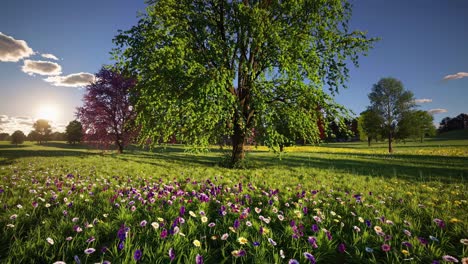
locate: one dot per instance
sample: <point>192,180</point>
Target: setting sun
<point>48,112</point>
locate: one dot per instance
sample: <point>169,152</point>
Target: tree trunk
<point>369,139</point>
<point>281,147</point>
<point>390,150</point>
<point>120,147</point>
<point>238,141</point>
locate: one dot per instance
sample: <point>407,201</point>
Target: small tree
<point>370,125</point>
<point>4,136</point>
<point>33,136</point>
<point>43,129</point>
<point>415,124</point>
<point>107,116</point>
<point>390,101</point>
<point>74,132</point>
<point>17,137</point>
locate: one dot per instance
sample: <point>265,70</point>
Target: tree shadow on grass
<point>9,156</point>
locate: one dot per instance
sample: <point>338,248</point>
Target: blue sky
<point>421,43</point>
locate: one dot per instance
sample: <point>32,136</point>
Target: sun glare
<point>48,112</point>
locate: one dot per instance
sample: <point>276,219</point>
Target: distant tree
<point>107,115</point>
<point>33,136</point>
<point>74,132</point>
<point>17,137</point>
<point>390,101</point>
<point>370,125</point>
<point>4,136</point>
<point>415,124</point>
<point>208,68</point>
<point>57,136</point>
<point>458,122</point>
<point>43,129</point>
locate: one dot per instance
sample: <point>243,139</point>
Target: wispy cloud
<point>422,101</point>
<point>49,56</point>
<point>455,76</point>
<point>72,80</point>
<point>437,111</point>
<point>12,49</point>
<point>41,67</point>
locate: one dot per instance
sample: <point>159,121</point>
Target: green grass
<point>420,182</point>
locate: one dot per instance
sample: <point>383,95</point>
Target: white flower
<point>50,240</point>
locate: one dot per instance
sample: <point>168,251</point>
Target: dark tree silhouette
<point>17,137</point>
<point>107,116</point>
<point>43,130</point>
<point>74,132</point>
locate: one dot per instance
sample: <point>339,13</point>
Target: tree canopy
<point>17,137</point>
<point>106,115</point>
<point>43,130</point>
<point>212,68</point>
<point>74,132</point>
<point>370,125</point>
<point>390,101</point>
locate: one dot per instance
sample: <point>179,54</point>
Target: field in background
<point>350,187</point>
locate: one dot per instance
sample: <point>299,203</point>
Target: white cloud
<point>422,101</point>
<point>455,76</point>
<point>49,56</point>
<point>9,124</point>
<point>437,111</point>
<point>12,49</point>
<point>41,67</point>
<point>72,80</point>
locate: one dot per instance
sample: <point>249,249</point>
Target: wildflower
<point>242,240</point>
<point>310,257</point>
<point>248,223</point>
<point>454,220</point>
<point>368,223</point>
<point>405,252</point>
<point>224,236</point>
<point>369,250</point>
<point>211,224</point>
<point>199,259</point>
<point>204,219</point>
<point>172,254</point>
<point>342,248</point>
<point>329,236</point>
<point>464,260</point>
<point>137,255</point>
<point>464,241</point>
<point>196,243</point>
<point>449,258</point>
<point>19,206</point>
<point>192,214</point>
<point>69,238</point>
<point>182,211</point>
<point>315,228</point>
<point>407,244</point>
<point>257,210</point>
<point>13,216</point>
<point>272,241</point>
<point>155,225</point>
<point>357,229</point>
<point>433,239</point>
<point>360,219</point>
<point>59,262</point>
<point>313,242</point>
<point>280,217</point>
<point>407,232</point>
<point>91,239</point>
<point>386,247</point>
<point>293,261</point>
<point>440,223</point>
<point>238,253</point>
<point>50,240</point>
<point>422,240</point>
<point>143,223</point>
<point>89,251</point>
<point>282,254</point>
<point>77,259</point>
<point>377,229</point>
<point>121,245</point>
<point>236,223</point>
<point>163,233</point>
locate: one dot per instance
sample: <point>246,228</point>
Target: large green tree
<point>370,125</point>
<point>74,132</point>
<point>17,137</point>
<point>211,68</point>
<point>390,101</point>
<point>43,130</point>
<point>416,124</point>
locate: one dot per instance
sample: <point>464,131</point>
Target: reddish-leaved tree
<point>107,115</point>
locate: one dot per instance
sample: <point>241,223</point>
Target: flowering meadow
<point>79,206</point>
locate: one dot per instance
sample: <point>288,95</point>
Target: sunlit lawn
<point>335,203</point>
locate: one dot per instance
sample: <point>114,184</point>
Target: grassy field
<point>333,203</point>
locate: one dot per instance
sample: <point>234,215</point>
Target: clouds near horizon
<point>437,111</point>
<point>41,67</point>
<point>455,76</point>
<point>9,124</point>
<point>72,80</point>
<point>12,49</point>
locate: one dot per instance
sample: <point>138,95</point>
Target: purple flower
<point>440,223</point>
<point>386,247</point>
<point>315,228</point>
<point>293,261</point>
<point>163,233</point>
<point>137,255</point>
<point>407,244</point>
<point>368,223</point>
<point>199,259</point>
<point>120,246</point>
<point>272,241</point>
<point>422,240</point>
<point>310,257</point>
<point>256,244</point>
<point>313,242</point>
<point>89,251</point>
<point>449,258</point>
<point>91,239</point>
<point>172,254</point>
<point>122,233</point>
<point>143,223</point>
<point>182,210</point>
<point>236,223</point>
<point>342,247</point>
<point>304,210</point>
<point>77,259</point>
<point>329,236</point>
